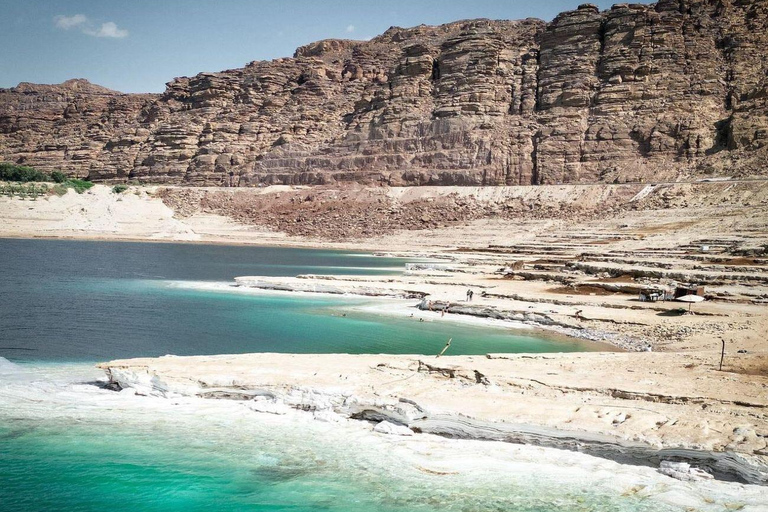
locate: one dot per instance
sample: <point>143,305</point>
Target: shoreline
<point>387,288</point>
<point>443,396</point>
<point>583,273</point>
<point>309,244</point>
<point>386,306</point>
<point>71,397</point>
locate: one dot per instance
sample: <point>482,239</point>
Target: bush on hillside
<point>24,174</point>
<point>119,188</point>
<point>80,186</point>
<point>58,176</point>
<point>59,189</point>
<point>21,173</point>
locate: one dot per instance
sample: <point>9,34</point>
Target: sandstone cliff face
<point>638,92</point>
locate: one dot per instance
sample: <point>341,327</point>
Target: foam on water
<point>68,444</point>
<point>230,287</point>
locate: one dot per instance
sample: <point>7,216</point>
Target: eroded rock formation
<point>634,93</point>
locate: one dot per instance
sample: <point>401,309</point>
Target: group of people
<point>470,294</point>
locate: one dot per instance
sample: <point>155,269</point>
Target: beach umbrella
<point>690,299</point>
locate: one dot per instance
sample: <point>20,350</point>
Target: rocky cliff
<point>638,92</point>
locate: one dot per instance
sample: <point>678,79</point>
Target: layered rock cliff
<point>635,93</point>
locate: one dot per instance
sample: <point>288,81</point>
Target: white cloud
<point>86,26</point>
<point>350,28</point>
<point>67,22</point>
<point>108,29</point>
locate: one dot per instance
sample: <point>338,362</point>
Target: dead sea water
<point>95,301</point>
<point>68,444</point>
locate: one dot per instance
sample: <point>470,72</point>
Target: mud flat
<point>632,408</point>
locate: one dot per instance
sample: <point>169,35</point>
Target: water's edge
<point>727,466</point>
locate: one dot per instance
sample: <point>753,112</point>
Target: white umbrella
<point>690,299</point>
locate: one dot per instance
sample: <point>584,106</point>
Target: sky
<point>139,45</point>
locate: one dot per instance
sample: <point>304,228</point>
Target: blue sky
<point>138,45</point>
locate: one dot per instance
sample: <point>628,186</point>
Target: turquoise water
<point>93,301</point>
<point>68,444</point>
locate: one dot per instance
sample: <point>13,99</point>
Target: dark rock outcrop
<point>635,93</point>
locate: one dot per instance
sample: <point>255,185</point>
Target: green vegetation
<point>59,189</point>
<point>23,174</point>
<point>119,189</point>
<point>24,190</point>
<point>80,186</point>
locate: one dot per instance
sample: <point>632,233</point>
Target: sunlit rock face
<point>669,90</point>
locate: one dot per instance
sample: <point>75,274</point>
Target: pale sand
<point>135,215</point>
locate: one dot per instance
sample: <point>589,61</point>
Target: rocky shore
<point>666,413</point>
<point>483,310</point>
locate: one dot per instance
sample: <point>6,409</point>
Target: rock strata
<point>635,93</point>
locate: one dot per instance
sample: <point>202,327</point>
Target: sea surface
<point>95,301</point>
<point>69,444</point>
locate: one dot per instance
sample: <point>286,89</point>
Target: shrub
<point>80,186</point>
<point>59,189</point>
<point>23,190</point>
<point>20,173</point>
<point>119,188</point>
<point>58,176</point>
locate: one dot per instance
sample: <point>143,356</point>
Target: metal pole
<point>722,354</point>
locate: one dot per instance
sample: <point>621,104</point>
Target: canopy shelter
<point>690,299</point>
